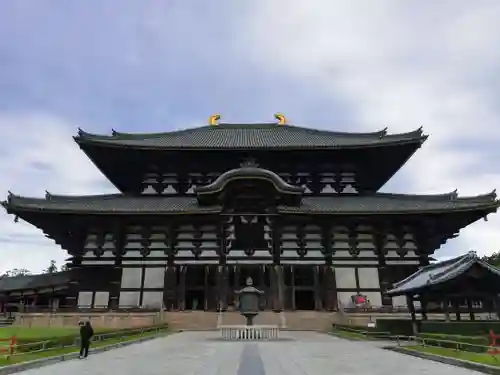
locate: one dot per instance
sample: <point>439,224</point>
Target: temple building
<point>200,210</point>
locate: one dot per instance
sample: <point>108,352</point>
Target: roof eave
<point>492,208</point>
<point>19,210</point>
<point>110,143</point>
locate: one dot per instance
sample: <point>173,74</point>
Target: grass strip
<point>25,357</point>
<point>349,335</point>
<point>36,332</point>
<point>481,358</point>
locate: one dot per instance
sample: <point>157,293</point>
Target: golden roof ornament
<point>281,118</point>
<point>213,120</point>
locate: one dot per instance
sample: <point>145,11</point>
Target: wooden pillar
<point>471,309</point>
<point>181,297</point>
<point>277,286</point>
<point>206,289</point>
<point>456,307</point>
<point>292,287</point>
<point>262,286</point>
<point>411,308</point>
<point>222,287</point>
<point>446,309</point>
<point>496,304</point>
<point>170,288</point>
<point>317,290</point>
<point>423,306</point>
<point>330,289</point>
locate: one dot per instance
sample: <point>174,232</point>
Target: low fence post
<point>493,345</point>
<point>13,344</point>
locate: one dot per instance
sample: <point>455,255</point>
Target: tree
<point>51,268</point>
<point>17,272</point>
<point>493,259</point>
<point>64,267</point>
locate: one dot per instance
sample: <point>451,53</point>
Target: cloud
<point>332,64</point>
<point>38,154</point>
<point>401,65</point>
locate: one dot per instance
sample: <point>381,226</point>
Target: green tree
<point>64,267</point>
<point>17,272</point>
<point>51,268</point>
<point>493,259</point>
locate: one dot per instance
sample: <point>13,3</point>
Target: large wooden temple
<point>201,210</point>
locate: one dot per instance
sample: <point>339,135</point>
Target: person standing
<point>86,333</point>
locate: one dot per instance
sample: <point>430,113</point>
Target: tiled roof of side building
<point>439,273</point>
<point>24,282</point>
<point>341,204</point>
<point>251,136</point>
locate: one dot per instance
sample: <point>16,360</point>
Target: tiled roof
<point>44,280</point>
<point>392,203</point>
<point>341,204</point>
<point>251,136</point>
<point>438,273</point>
<point>109,204</point>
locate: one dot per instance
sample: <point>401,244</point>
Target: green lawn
<point>483,358</point>
<point>26,332</point>
<point>36,332</point>
<point>55,352</point>
<point>349,335</point>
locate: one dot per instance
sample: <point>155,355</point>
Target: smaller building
<point>463,285</point>
<point>27,293</point>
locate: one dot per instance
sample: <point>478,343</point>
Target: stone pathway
<point>193,353</point>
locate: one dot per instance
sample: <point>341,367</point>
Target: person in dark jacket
<point>86,333</point>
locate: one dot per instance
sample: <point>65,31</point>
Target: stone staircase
<point>290,320</point>
<point>191,320</point>
<point>6,321</point>
<point>320,321</point>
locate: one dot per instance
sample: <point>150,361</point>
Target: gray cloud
<point>150,66</point>
<point>403,65</point>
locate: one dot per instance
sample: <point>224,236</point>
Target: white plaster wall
<point>129,299</point>
<point>375,298</point>
<point>154,277</point>
<point>101,299</point>
<point>131,278</point>
<point>345,277</point>
<point>345,298</point>
<point>342,254</point>
<point>368,278</point>
<point>152,299</point>
<point>84,299</point>
<point>399,301</point>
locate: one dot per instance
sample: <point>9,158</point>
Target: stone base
<point>99,320</point>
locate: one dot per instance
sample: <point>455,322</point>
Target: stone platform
<point>196,353</point>
<point>249,333</point>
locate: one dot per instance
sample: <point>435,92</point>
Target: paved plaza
<point>195,353</point>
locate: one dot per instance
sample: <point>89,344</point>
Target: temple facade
<point>200,210</point>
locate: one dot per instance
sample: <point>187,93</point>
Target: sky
<point>149,66</point>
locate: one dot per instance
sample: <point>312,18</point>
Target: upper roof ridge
<point>145,135</point>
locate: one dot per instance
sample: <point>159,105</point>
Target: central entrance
<point>238,275</point>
